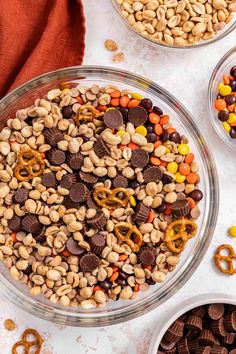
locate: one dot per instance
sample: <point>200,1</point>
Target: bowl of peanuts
<point>222,98</point>
<point>108,194</point>
<point>173,24</point>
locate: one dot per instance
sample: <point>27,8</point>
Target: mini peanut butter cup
<point>194,323</point>
<point>113,119</point>
<point>232,351</point>
<point>218,327</point>
<point>56,157</point>
<point>73,247</point>
<point>137,116</point>
<point>68,180</point>
<point>139,158</point>
<point>89,262</point>
<point>204,350</point>
<point>167,179</point>
<point>49,180</point>
<point>21,195</point>
<point>229,338</point>
<point>98,221</point>
<point>147,256</point>
<point>199,311</point>
<point>97,243</point>
<point>31,224</point>
<point>79,192</point>
<point>218,349</point>
<point>88,179</point>
<point>15,223</point>
<point>152,174</point>
<point>167,345</point>
<point>216,311</point>
<point>206,338</point>
<point>230,321</point>
<point>40,237</point>
<point>90,202</point>
<point>74,161</point>
<point>182,346</point>
<point>180,208</point>
<point>69,203</point>
<point>175,331</point>
<point>53,136</point>
<point>192,344</point>
<point>101,148</point>
<point>120,182</point>
<point>141,214</point>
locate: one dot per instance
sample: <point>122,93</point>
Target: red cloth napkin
<point>37,36</point>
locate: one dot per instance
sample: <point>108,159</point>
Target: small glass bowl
<point>221,69</point>
<point>221,34</point>
<point>121,310</point>
<point>184,307</point>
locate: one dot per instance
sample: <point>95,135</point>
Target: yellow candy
<point>120,133</point>
<point>110,108</point>
<point>172,167</point>
<point>132,201</point>
<point>184,149</point>
<point>221,84</point>
<point>226,126</point>
<point>225,90</point>
<point>136,96</point>
<point>141,130</point>
<point>232,231</point>
<point>172,232</point>
<point>232,118</point>
<point>179,178</point>
<point>167,150</point>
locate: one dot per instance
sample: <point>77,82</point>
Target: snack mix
<point>99,195</point>
<point>208,329</point>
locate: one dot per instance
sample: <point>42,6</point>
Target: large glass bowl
<point>220,35</point>
<point>121,310</point>
<point>221,69</point>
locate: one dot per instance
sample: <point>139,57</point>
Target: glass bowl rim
<point>94,319</point>
<point>154,44</point>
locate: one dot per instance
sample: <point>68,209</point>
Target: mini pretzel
<point>229,259</point>
<point>37,342</point>
<point>30,164</point>
<point>110,199</point>
<point>134,244</point>
<point>92,113</point>
<point>176,242</point>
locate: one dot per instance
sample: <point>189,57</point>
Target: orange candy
<point>115,102</point>
<point>133,103</point>
<point>114,277</point>
<point>154,118</point>
<point>79,99</point>
<point>220,104</point>
<point>123,257</point>
<point>189,158</point>
<point>151,216</point>
<point>133,146</point>
<point>171,130</point>
<point>155,161</point>
<point>157,143</point>
<point>13,236</point>
<point>191,202</point>
<point>102,108</point>
<point>168,210</point>
<point>164,120</point>
<point>115,94</point>
<point>66,253</point>
<point>158,129</point>
<point>124,101</point>
<point>184,168</point>
<point>191,178</point>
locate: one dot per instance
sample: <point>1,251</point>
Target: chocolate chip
<point>15,223</point>
<point>31,224</point>
<point>79,192</point>
<point>28,270</point>
<point>151,137</point>
<point>216,311</point>
<point>164,137</point>
<point>157,110</point>
<point>230,99</point>
<point>142,213</point>
<point>97,243</point>
<point>67,111</point>
<point>68,180</point>
<point>134,184</point>
<point>196,195</point>
<point>180,208</point>
<point>98,221</point>
<point>232,133</point>
<point>49,180</point>
<point>74,161</point>
<point>223,116</point>
<point>167,179</point>
<point>105,284</point>
<point>175,137</point>
<point>139,158</point>
<point>89,262</point>
<point>69,204</point>
<point>147,256</point>
<point>137,116</point>
<point>101,148</point>
<point>123,275</point>
<point>124,112</point>
<point>152,174</point>
<point>146,103</point>
<point>56,157</point>
<point>161,209</point>
<point>21,195</point>
<point>113,119</point>
<point>73,247</point>
<point>53,136</point>
<point>233,71</point>
<point>121,282</point>
<point>120,182</point>
<point>88,179</point>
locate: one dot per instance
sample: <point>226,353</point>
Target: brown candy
<point>139,158</point>
<point>31,224</point>
<point>53,136</point>
<point>152,174</point>
<point>21,195</point>
<point>101,148</point>
<point>74,161</point>
<point>180,208</point>
<point>49,180</point>
<point>120,182</point>
<point>137,116</point>
<point>90,202</point>
<point>56,157</point>
<point>216,311</point>
<point>69,203</point>
<point>68,180</point>
<point>88,179</point>
<point>147,256</point>
<point>89,262</point>
<point>79,192</point>
<point>97,243</point>
<point>142,213</point>
<point>15,223</point>
<point>113,119</point>
<point>73,247</point>
<point>98,221</point>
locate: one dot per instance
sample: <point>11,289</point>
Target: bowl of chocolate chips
<point>106,196</point>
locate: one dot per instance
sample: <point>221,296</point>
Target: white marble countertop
<point>186,75</point>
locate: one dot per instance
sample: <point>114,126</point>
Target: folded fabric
<point>37,36</point>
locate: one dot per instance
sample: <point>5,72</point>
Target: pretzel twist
<point>181,234</point>
<point>134,244</point>
<point>91,114</point>
<point>229,259</point>
<point>110,198</point>
<point>37,342</point>
<point>27,161</point>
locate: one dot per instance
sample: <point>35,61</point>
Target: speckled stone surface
<point>186,75</point>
